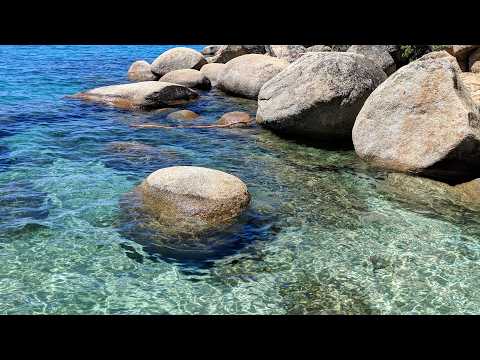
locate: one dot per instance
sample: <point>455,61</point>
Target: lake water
<point>320,236</point>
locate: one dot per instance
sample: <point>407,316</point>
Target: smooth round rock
<point>245,75</point>
<point>212,72</point>
<point>189,78</point>
<point>183,115</point>
<point>194,197</point>
<point>235,118</point>
<point>176,59</point>
<point>228,52</point>
<point>378,54</point>
<point>141,71</point>
<point>318,96</point>
<point>146,95</point>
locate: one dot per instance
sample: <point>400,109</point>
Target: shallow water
<point>320,237</point>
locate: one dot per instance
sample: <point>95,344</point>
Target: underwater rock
<point>213,72</point>
<point>130,147</point>
<point>422,120</point>
<point>189,78</point>
<point>183,115</point>
<point>145,95</point>
<point>246,74</point>
<point>378,54</point>
<point>176,59</point>
<point>193,199</point>
<point>141,71</point>
<point>431,193</point>
<point>309,296</point>
<point>235,118</point>
<point>318,96</point>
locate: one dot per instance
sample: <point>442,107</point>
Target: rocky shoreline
<point>420,117</point>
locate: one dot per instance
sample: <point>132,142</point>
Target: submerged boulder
<point>246,74</point>
<point>176,59</point>
<point>318,96</point>
<point>130,147</point>
<point>228,52</point>
<point>472,83</point>
<point>145,95</point>
<point>431,193</point>
<point>141,71</point>
<point>212,72</point>
<point>235,118</point>
<point>287,52</point>
<point>189,78</point>
<point>422,120</point>
<point>183,115</point>
<point>192,199</point>
<point>378,54</point>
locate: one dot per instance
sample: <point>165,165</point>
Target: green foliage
<point>410,53</point>
<point>439,47</point>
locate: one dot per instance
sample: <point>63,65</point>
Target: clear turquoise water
<point>321,236</point>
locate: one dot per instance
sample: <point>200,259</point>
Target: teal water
<point>320,237</point>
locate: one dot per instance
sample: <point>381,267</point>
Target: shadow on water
<point>198,252</point>
<point>328,144</point>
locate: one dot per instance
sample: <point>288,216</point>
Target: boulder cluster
<point>420,118</point>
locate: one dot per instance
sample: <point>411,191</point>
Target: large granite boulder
<point>193,199</point>
<point>472,83</point>
<point>210,50</point>
<point>462,53</point>
<point>339,48</point>
<point>318,48</point>
<point>246,74</point>
<point>144,95</point>
<point>228,52</point>
<point>422,120</point>
<point>176,59</point>
<point>378,54</point>
<point>189,78</point>
<point>474,61</point>
<point>287,52</point>
<point>212,72</point>
<point>141,71</point>
<point>318,96</point>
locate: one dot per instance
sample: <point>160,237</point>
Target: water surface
<point>320,237</point>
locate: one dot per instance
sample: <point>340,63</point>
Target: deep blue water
<point>319,237</point>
